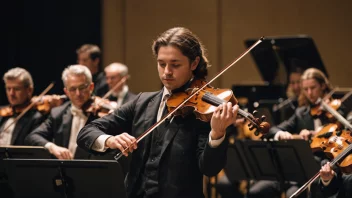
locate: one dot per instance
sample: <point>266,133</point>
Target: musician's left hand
<point>223,116</point>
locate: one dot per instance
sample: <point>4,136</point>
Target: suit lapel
<point>66,126</point>
<point>152,110</point>
<point>171,131</point>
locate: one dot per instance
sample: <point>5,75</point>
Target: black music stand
<point>282,161</point>
<point>65,178</point>
<point>24,152</point>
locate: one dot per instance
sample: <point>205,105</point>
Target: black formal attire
<point>30,120</point>
<point>57,129</point>
<point>171,161</point>
<point>100,85</point>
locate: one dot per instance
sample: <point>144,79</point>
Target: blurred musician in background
<point>19,89</point>
<point>90,56</point>
<point>59,132</point>
<point>314,86</point>
<point>115,72</point>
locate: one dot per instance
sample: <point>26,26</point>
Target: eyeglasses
<point>80,88</point>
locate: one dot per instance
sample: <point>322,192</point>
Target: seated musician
<point>19,89</point>
<point>314,86</point>
<point>59,131</point>
<point>114,74</point>
<point>171,161</point>
<point>89,55</point>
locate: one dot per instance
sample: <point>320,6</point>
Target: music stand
<point>280,161</point>
<point>288,51</point>
<point>65,178</point>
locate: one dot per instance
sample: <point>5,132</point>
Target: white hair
<point>76,70</point>
<point>19,73</point>
<point>121,68</point>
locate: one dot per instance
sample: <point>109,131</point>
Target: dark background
<point>42,37</point>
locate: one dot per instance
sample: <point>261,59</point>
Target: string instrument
<point>204,103</point>
<point>99,106</point>
<point>336,143</point>
<point>198,93</point>
<point>25,108</point>
<point>317,110</point>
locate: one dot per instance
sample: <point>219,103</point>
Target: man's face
<point>312,90</point>
<point>78,90</point>
<point>84,59</point>
<point>16,92</point>
<point>295,83</point>
<point>112,78</point>
<point>174,68</point>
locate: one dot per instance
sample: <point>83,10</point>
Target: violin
<point>42,104</point>
<point>99,106</point>
<point>204,103</point>
<point>317,109</point>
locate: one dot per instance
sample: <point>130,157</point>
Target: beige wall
<point>129,27</point>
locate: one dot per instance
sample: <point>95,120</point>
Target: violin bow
<point>123,80</point>
<point>51,85</point>
<point>148,131</point>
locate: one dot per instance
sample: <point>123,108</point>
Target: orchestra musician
<point>314,86</point>
<point>89,55</point>
<point>19,90</point>
<point>171,161</point>
<point>58,133</point>
<point>114,74</point>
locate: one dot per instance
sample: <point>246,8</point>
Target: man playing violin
<point>59,131</point>
<point>169,162</point>
<point>115,72</point>
<point>19,89</point>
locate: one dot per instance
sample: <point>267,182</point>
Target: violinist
<point>59,131</point>
<point>171,161</point>
<point>314,86</point>
<point>288,106</point>
<point>89,55</point>
<point>19,89</point>
<point>114,74</point>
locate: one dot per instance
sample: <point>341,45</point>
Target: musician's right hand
<point>60,152</point>
<point>284,135</point>
<point>122,142</point>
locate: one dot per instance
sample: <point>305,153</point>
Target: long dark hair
<point>188,43</point>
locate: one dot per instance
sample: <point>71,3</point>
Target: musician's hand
<point>60,152</point>
<point>122,142</point>
<point>305,134</point>
<point>223,116</point>
<point>326,173</point>
<point>284,135</point>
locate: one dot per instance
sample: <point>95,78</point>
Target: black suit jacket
<point>30,120</point>
<point>300,120</point>
<point>129,96</point>
<point>57,129</point>
<point>185,156</point>
<point>100,86</point>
